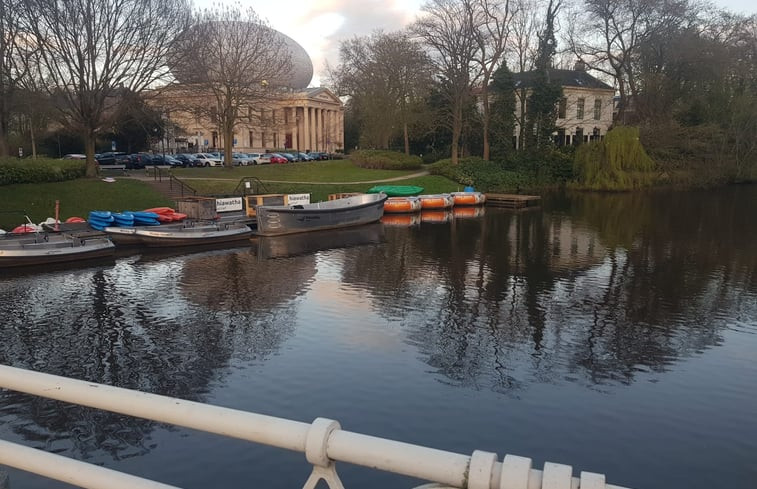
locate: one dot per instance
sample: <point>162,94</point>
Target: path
<point>393,179</point>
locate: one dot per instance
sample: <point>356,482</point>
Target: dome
<point>186,70</point>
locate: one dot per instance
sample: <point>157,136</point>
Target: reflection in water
<point>594,291</point>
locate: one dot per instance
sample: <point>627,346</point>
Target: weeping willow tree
<point>618,162</point>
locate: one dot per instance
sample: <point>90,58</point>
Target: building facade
<point>310,119</point>
<point>583,114</point>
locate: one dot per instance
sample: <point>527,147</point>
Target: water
<point>614,333</point>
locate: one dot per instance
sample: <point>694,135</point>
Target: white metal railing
<point>323,442</point>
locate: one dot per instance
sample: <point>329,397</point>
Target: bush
<point>13,170</point>
<point>484,176</point>
<point>385,160</point>
<point>618,162</point>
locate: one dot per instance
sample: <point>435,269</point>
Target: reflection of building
<point>585,111</point>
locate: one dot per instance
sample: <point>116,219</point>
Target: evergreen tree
<point>502,109</point>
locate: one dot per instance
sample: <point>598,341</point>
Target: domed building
<point>297,119</point>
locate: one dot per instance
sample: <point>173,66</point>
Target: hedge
<point>41,170</point>
<point>385,160</point>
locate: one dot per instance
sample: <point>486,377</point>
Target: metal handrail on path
<point>184,188</point>
<point>323,442</point>
<point>255,186</point>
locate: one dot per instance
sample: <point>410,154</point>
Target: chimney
<point>579,66</point>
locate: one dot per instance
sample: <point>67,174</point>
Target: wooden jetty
<point>512,201</point>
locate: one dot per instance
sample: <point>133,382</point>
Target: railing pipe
<point>277,432</point>
<point>321,441</point>
<point>71,471</point>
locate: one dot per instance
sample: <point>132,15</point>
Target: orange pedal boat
<point>402,205</point>
<point>468,198</point>
<point>440,201</point>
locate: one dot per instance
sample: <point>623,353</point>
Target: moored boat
<point>468,198</point>
<point>399,205</point>
<point>180,234</point>
<point>396,190</point>
<point>439,201</point>
<point>44,249</point>
<point>275,220</point>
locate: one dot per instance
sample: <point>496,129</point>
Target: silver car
<point>259,158</point>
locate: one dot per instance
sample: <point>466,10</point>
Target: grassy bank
<point>76,197</point>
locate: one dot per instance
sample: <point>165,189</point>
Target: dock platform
<point>512,201</point>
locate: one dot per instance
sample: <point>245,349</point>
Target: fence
<point>323,442</point>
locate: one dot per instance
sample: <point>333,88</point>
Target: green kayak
<point>396,190</point>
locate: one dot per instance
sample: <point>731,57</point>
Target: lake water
<point>614,333</point>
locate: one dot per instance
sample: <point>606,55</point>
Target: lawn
<point>77,198</point>
<point>316,171</point>
<point>432,184</point>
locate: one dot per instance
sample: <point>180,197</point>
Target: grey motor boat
<point>44,249</point>
<point>274,220</point>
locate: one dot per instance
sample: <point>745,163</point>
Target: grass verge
<point>77,198</point>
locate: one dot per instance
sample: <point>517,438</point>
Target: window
<point>597,109</point>
<point>562,108</point>
<point>580,108</point>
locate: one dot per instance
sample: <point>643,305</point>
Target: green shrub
<point>484,176</point>
<point>385,160</point>
<point>13,170</point>
<point>618,162</point>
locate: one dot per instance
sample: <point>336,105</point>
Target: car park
<point>317,155</point>
<point>207,159</point>
<point>241,159</point>
<point>111,158</point>
<point>259,158</point>
<point>138,160</point>
<point>290,157</point>
<point>304,157</point>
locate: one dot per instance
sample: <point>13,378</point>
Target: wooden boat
<point>44,249</point>
<point>192,234</point>
<point>439,201</point>
<point>396,190</point>
<point>274,220</point>
<point>400,205</point>
<point>468,198</point>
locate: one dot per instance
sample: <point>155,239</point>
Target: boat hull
<point>400,205</point>
<point>442,201</point>
<point>53,249</point>
<point>179,235</point>
<point>339,213</point>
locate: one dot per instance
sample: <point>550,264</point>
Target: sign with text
<point>298,199</point>
<point>230,204</point>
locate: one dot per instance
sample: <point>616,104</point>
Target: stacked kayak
<point>100,219</point>
<point>167,214</point>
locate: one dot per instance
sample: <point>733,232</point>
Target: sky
<point>319,25</point>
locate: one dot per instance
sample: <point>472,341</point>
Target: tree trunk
<point>228,145</point>
<point>485,102</point>
<point>34,140</point>
<point>457,125</point>
<point>407,139</point>
<point>89,150</point>
<point>3,138</point>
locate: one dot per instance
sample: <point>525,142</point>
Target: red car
<point>278,159</point>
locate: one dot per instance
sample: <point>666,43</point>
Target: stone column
<point>312,129</point>
<point>295,129</point>
<point>306,128</point>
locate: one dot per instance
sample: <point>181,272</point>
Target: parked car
<point>241,159</point>
<point>290,157</point>
<point>277,158</point>
<point>187,160</point>
<point>259,158</point>
<point>165,160</point>
<point>138,160</point>
<point>74,156</point>
<point>317,155</point>
<point>112,158</point>
<point>207,159</point>
<point>304,157</point>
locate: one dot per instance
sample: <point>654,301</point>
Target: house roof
<point>566,78</point>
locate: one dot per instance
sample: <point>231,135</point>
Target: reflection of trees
<point>131,326</point>
<point>601,287</point>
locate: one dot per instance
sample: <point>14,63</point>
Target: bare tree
<point>386,77</point>
<point>447,28</point>
<point>238,61</point>
<point>606,35</point>
<point>10,69</point>
<point>491,30</point>
<point>92,50</point>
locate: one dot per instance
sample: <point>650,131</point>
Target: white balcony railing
<point>323,442</point>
